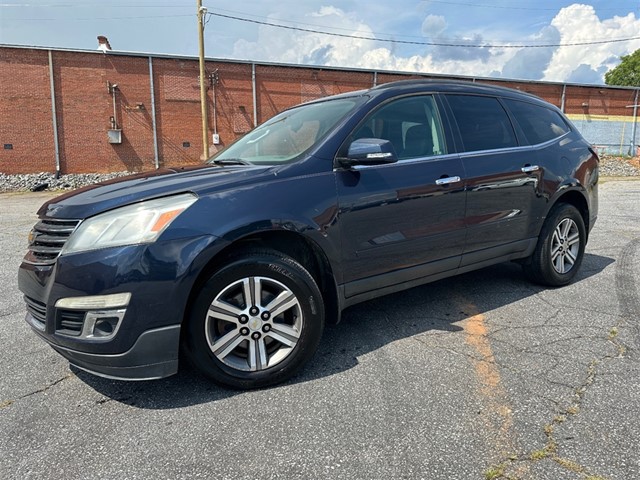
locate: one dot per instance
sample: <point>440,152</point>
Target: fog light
<point>105,327</point>
<point>102,324</point>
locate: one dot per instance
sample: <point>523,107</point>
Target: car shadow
<point>364,328</point>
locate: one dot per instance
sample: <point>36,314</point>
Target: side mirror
<point>369,151</point>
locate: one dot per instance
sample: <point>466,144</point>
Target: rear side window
<point>539,124</point>
<point>483,123</point>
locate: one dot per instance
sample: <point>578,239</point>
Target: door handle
<point>447,180</point>
<point>530,168</point>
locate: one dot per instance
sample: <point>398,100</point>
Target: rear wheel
<point>560,249</point>
<point>256,321</point>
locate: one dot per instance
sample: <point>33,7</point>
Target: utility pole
<point>202,12</point>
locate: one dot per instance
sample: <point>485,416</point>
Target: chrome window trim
<point>520,148</point>
<point>431,158</point>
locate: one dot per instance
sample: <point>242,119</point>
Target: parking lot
<point>479,376</point>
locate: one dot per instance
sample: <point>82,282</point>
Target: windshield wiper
<point>231,161</point>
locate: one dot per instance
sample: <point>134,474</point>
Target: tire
<point>242,343</point>
<point>560,249</point>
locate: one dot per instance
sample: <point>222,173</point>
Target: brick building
<point>57,107</point>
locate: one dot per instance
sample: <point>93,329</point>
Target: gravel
<point>618,167</point>
<point>48,181</point>
<point>609,167</point>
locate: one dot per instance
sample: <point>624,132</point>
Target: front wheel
<point>560,249</point>
<point>256,321</point>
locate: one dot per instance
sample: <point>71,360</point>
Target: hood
<point>88,201</point>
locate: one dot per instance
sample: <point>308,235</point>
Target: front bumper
<point>153,356</point>
<point>146,339</point>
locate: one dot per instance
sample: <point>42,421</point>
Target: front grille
<point>47,239</point>
<point>70,322</point>
<point>38,310</point>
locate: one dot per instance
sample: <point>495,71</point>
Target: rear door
<point>403,220</point>
<point>501,186</point>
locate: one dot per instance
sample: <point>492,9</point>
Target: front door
<point>403,220</point>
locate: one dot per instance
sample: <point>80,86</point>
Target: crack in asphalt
<point>550,449</point>
<point>629,301</point>
<point>46,387</point>
<point>7,403</point>
<point>511,369</point>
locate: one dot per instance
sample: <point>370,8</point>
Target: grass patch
<point>539,454</point>
<point>496,471</point>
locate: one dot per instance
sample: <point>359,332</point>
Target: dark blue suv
<point>239,262</point>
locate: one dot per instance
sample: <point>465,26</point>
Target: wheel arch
<point>578,199</point>
<point>291,243</point>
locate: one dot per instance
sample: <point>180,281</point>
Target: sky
<point>484,38</point>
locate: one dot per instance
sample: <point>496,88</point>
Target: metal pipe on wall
<point>564,97</point>
<point>156,158</point>
<point>54,116</point>
<point>255,97</point>
<point>215,108</point>
<point>114,122</point>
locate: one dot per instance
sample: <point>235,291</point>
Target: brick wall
<point>85,107</point>
<point>26,127</point>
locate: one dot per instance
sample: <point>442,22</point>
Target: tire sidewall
<point>283,270</point>
<point>550,275</point>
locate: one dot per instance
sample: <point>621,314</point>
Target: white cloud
<point>326,11</point>
<point>305,47</point>
<point>433,26</point>
<point>579,23</point>
<point>576,23</point>
<point>530,63</point>
<point>312,48</point>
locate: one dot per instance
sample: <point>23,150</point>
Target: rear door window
<point>483,122</point>
<point>539,124</point>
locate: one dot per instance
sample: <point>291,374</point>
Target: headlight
<point>139,223</point>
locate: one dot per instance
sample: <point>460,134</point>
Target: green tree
<point>627,73</point>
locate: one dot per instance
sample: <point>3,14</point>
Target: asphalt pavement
<point>480,376</point>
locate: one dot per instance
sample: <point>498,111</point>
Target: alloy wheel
<point>253,324</point>
<point>565,246</point>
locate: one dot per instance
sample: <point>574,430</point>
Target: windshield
<point>287,135</point>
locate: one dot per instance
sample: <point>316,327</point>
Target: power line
<point>326,27</point>
<point>100,18</point>
<point>89,5</point>
<point>408,42</point>
<point>511,7</point>
<point>245,15</point>
<point>519,44</point>
<point>168,5</point>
